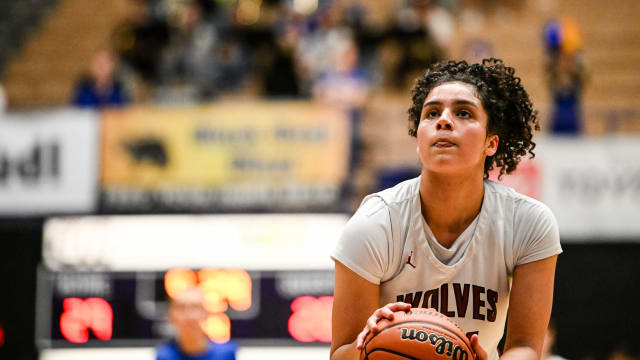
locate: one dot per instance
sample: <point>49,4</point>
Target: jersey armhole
<point>356,269</point>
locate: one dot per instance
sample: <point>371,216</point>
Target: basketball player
<point>450,239</point>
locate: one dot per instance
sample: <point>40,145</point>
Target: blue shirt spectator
<point>87,94</point>
<point>186,313</point>
<point>99,88</point>
<point>171,351</point>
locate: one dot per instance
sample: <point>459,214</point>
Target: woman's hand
<point>475,344</point>
<point>385,312</point>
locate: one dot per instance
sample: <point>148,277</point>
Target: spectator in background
<point>186,313</point>
<point>232,65</point>
<point>140,39</point>
<point>100,87</point>
<point>188,62</point>
<point>565,76</point>
<point>316,48</point>
<point>281,70</point>
<point>413,40</point>
<point>346,87</point>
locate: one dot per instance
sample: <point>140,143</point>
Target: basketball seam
<point>418,322</point>
<point>393,352</point>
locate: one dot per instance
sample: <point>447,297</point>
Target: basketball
<point>420,334</point>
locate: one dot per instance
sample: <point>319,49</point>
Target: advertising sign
<point>225,156</point>
<point>48,162</point>
<point>592,185</point>
<point>250,241</point>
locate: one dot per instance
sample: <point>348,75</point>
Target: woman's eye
<point>432,113</point>
<point>464,114</point>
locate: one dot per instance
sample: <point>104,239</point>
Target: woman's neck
<point>450,203</point>
<point>193,344</point>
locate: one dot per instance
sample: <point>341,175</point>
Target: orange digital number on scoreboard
<point>82,315</point>
<point>311,319</point>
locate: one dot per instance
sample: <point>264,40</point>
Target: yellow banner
<point>225,145</point>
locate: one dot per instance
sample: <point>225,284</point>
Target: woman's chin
<point>448,169</point>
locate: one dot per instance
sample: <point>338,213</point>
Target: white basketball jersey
<point>385,243</point>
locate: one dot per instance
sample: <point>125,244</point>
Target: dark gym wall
<point>596,299</point>
<point>20,253</point>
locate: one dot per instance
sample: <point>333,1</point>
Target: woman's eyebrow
<point>457,102</point>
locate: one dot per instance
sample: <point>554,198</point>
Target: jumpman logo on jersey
<point>409,260</point>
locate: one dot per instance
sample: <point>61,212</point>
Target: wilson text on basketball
<point>441,344</point>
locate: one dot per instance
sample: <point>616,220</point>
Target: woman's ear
<point>491,145</point>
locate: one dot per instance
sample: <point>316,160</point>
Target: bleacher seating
<point>43,73</point>
<point>55,54</point>
<point>17,19</point>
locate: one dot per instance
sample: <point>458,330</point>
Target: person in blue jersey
<point>186,313</point>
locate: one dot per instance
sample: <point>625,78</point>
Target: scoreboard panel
<point>103,309</point>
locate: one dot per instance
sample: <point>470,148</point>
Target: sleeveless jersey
<point>384,242</point>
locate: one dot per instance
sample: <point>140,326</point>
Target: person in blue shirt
<point>186,313</point>
<point>100,87</point>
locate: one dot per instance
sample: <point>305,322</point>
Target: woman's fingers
<point>361,337</point>
<point>385,312</point>
<point>372,322</point>
<point>475,344</point>
<point>398,306</point>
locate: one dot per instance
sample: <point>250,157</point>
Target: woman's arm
<point>529,309</point>
<point>355,312</point>
<point>354,300</point>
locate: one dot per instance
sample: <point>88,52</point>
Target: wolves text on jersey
<point>464,294</point>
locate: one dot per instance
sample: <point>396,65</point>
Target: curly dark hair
<point>510,112</point>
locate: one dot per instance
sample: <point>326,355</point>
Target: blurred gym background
<point>151,145</point>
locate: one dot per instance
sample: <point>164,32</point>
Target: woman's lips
<point>444,144</point>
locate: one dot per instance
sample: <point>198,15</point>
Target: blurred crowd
<point>197,50</point>
<point>334,51</point>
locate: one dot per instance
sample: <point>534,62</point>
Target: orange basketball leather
<point>421,334</point>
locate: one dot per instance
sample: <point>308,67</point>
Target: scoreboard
<point>79,309</point>
<point>266,279</point>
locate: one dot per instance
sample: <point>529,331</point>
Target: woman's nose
<point>444,122</point>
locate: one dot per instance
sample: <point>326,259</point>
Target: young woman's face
<point>452,133</point>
